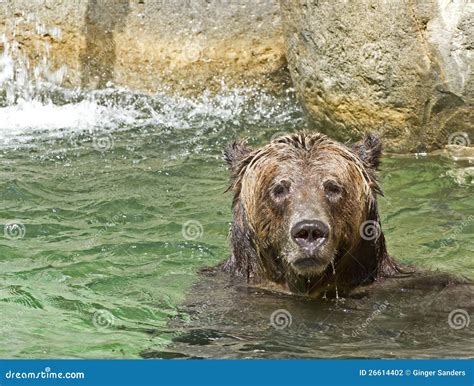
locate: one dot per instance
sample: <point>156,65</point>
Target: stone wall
<point>402,68</point>
<point>181,45</point>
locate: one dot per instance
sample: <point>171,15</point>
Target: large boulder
<point>399,68</point>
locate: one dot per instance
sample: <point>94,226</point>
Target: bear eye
<point>280,190</point>
<point>332,189</point>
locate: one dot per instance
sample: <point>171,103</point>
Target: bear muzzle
<point>310,236</point>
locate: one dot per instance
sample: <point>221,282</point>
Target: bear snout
<point>311,253</point>
<point>310,235</point>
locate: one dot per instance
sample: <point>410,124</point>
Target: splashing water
<point>17,82</point>
<point>33,103</point>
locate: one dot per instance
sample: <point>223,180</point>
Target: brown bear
<point>305,215</point>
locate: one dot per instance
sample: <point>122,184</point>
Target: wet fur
<point>256,231</point>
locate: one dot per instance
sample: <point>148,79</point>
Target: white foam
<point>33,105</point>
<point>20,121</point>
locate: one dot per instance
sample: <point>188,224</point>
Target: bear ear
<point>369,150</point>
<point>234,153</point>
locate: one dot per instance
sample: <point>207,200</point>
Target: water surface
<point>111,202</point>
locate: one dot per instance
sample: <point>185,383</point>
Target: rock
<point>148,45</point>
<point>398,68</point>
<point>460,153</point>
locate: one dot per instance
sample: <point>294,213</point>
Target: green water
<point>103,239</point>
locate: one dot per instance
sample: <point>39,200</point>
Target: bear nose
<point>310,234</point>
